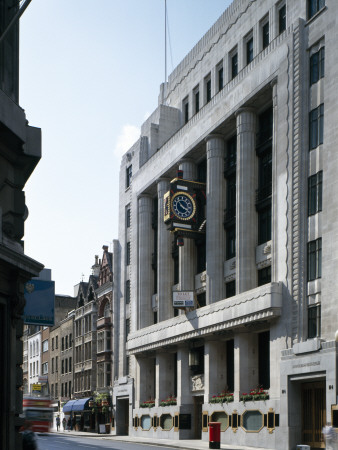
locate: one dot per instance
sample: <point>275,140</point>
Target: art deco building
<point>228,199</point>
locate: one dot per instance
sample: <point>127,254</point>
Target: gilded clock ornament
<point>183,205</point>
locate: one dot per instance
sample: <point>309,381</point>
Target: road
<point>57,442</point>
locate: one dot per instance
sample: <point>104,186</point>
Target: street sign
<point>183,299</point>
<point>36,387</point>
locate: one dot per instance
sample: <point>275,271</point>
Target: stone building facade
<point>227,195</point>
<point>20,151</point>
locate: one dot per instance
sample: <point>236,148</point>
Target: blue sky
<point>90,73</point>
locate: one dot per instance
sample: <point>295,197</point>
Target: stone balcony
<point>262,303</point>
<point>103,321</point>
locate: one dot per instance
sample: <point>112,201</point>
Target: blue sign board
<point>39,296</point>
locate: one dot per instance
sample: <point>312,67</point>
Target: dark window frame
<point>317,66</point>
<point>265,35</point>
<point>314,6</point>
<point>316,127</point>
<point>234,65</point>
<point>314,321</point>
<point>220,77</point>
<point>129,175</point>
<point>314,259</point>
<point>315,193</point>
<point>282,19</point>
<point>249,45</point>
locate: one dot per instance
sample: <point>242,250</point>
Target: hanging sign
<point>183,299</point>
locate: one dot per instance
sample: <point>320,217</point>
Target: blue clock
<point>183,205</point>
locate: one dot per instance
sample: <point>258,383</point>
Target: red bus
<point>38,410</point>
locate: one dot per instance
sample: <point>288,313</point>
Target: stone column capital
<point>214,136</point>
<point>245,110</point>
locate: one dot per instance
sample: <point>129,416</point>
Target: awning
<point>76,405</point>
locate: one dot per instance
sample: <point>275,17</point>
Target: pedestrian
<point>69,424</point>
<point>329,436</point>
<point>29,441</point>
<point>64,423</point>
<point>57,423</point>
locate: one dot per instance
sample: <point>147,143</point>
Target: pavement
<point>186,444</point>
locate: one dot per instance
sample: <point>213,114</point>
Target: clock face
<point>183,205</point>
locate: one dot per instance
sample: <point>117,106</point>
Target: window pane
<point>249,51</point>
<point>282,19</point>
<point>265,37</point>
<point>234,66</point>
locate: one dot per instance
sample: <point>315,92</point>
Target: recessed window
<point>316,126</point>
<point>264,225</point>
<point>265,35</point>
<point>128,217</point>
<point>264,276</point>
<point>220,76</point>
<point>234,65</point>
<point>186,110</point>
<point>314,6</point>
<point>196,94</point>
<point>231,242</point>
<point>128,291</point>
<point>282,19</point>
<point>128,175</point>
<point>230,289</point>
<point>249,50</point>
<point>45,346</point>
<point>317,64</point>
<point>208,89</point>
<point>128,254</point>
<point>315,190</point>
<point>313,321</point>
<point>252,420</point>
<point>314,259</point>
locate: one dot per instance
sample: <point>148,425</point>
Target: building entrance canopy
<point>76,405</point>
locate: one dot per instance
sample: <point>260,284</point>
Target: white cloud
<point>129,135</point>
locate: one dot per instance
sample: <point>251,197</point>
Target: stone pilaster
<point>183,376</point>
<point>144,386</point>
<point>246,363</point>
<point>164,376</point>
<point>246,220</point>
<point>164,259</point>
<point>215,216</point>
<point>214,369</point>
<point>145,273</point>
<point>274,225</point>
<point>187,253</point>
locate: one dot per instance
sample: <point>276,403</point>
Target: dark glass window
<point>175,256</point>
<point>220,78</point>
<point>128,254</point>
<point>316,126</point>
<point>314,6</point>
<point>231,152</point>
<point>197,101</point>
<point>313,321</point>
<point>315,188</point>
<point>264,276</point>
<point>208,87</point>
<point>234,65</point>
<point>186,111</point>
<point>128,217</point>
<point>127,328</point>
<point>230,289</point>
<point>282,19</point>
<point>129,174</point>
<point>230,364</point>
<point>264,225</point>
<point>230,242</point>
<point>265,35</point>
<point>202,171</point>
<point>264,359</point>
<point>314,259</point>
<point>201,255</point>
<point>249,51</point>
<point>317,66</point>
<point>128,291</point>
<point>201,300</point>
<point>231,197</point>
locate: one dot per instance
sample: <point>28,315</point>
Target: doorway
<point>122,416</point>
<point>198,402</point>
<point>313,413</point>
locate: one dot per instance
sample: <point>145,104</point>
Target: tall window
<point>249,50</point>
<point>230,242</point>
<point>208,89</point>
<point>52,365</point>
<point>314,259</point>
<point>52,343</point>
<point>314,6</point>
<point>129,174</point>
<point>128,291</point>
<point>128,254</point>
<point>63,344</point>
<point>128,217</point>
<point>282,19</point>
<point>197,99</point>
<point>186,110</point>
<point>265,35</point>
<point>70,364</point>
<point>56,342</point>
<point>127,328</point>
<point>264,359</point>
<point>234,65</point>
<point>45,346</point>
<point>317,66</point>
<point>313,321</point>
<point>220,78</point>
<point>264,225</point>
<point>315,184</point>
<point>316,126</point>
<point>230,289</point>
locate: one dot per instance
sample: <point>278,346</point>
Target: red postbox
<point>214,435</point>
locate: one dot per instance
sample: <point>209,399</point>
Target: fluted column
<point>164,376</point>
<point>145,273</point>
<point>246,220</point>
<point>144,385</point>
<point>215,217</point>
<point>164,259</point>
<point>187,253</point>
<point>183,376</point>
<point>274,224</point>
